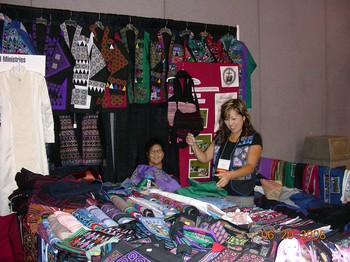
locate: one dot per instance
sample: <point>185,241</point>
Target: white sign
<point>30,62</point>
<point>220,99</point>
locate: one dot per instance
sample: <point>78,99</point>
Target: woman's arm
<point>254,154</point>
<point>203,157</point>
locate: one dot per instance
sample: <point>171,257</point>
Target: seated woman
<point>155,152</point>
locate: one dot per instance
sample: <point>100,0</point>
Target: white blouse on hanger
<point>26,124</point>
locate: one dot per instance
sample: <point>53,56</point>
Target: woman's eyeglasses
<point>159,151</point>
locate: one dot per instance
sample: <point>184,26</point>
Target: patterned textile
<point>91,143</point>
<point>180,206</point>
<point>118,66</point>
<point>30,242</point>
<point>331,182</point>
<point>40,197</point>
<point>146,212</point>
<point>159,60</point>
<point>133,255</point>
<point>247,257</point>
<point>92,149</point>
<point>227,255</point>
<point>155,225</point>
<point>35,212</point>
<point>240,54</point>
<point>310,180</point>
<point>105,220</point>
<point>68,143</point>
<point>137,43</point>
<point>15,39</point>
<point>217,50</point>
<point>69,221</point>
<point>46,232</point>
<point>59,230</point>
<point>89,63</point>
<point>81,242</point>
<point>87,219</point>
<point>123,206</point>
<point>59,63</point>
<point>199,49</point>
<point>118,250</point>
<point>219,232</point>
<point>113,212</point>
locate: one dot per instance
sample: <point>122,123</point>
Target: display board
<point>217,83</point>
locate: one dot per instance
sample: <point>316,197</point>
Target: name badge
<point>223,165</point>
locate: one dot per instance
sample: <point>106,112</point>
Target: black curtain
<point>133,126</point>
<point>124,132</point>
<point>114,21</point>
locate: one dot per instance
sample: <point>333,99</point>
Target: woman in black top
<point>235,151</point>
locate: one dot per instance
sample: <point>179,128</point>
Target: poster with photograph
<point>198,170</point>
<point>203,141</point>
<point>204,115</point>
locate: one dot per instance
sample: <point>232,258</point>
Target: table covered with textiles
<point>64,219</point>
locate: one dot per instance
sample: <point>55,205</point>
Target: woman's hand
<point>223,179</point>
<point>190,140</point>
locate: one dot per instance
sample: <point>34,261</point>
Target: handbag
<point>185,121</point>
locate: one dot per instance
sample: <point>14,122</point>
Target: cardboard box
<point>332,151</point>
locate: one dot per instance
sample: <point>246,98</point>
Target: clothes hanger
<point>228,34</point>
<point>165,29</point>
<point>204,33</point>
<point>98,23</point>
<point>130,26</point>
<point>41,20</point>
<point>71,22</point>
<point>186,31</point>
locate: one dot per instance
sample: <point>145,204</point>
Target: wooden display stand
<point>332,151</point>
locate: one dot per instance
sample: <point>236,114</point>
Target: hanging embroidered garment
<point>89,150</point>
<point>240,54</point>
<point>310,180</point>
<point>89,62</point>
<point>217,50</point>
<point>26,124</point>
<point>330,183</point>
<point>199,49</point>
<point>15,39</point>
<point>137,43</point>
<point>118,66</point>
<point>179,52</point>
<point>59,63</point>
<point>159,59</point>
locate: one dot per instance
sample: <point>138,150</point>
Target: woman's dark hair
<point>154,141</point>
<point>239,106</point>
